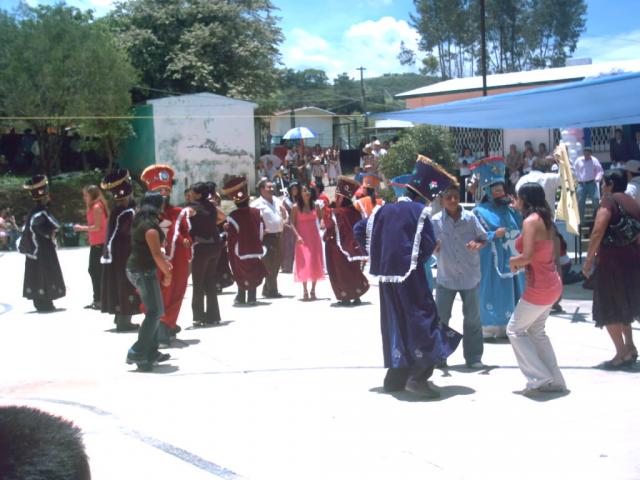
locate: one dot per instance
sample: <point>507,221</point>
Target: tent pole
<point>483,57</point>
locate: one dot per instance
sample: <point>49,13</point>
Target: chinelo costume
<point>343,253</point>
<point>43,280</point>
<point>500,289</point>
<point>399,238</point>
<point>174,223</point>
<point>118,295</point>
<point>245,233</point>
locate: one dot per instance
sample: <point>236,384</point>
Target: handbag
<point>623,232</point>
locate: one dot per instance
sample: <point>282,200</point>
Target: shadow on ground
<point>446,392</point>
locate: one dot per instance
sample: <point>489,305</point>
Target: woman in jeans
<point>96,228</point>
<point>146,256</point>
<point>617,275</point>
<point>525,330</point>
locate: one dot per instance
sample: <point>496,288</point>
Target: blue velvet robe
<point>412,335</point>
<point>500,290</point>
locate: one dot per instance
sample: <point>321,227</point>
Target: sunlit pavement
<point>292,390</point>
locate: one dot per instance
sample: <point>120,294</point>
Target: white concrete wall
<point>203,137</point>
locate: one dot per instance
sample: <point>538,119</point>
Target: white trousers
<point>532,347</point>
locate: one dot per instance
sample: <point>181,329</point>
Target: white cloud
<point>373,44</point>
<point>621,46</point>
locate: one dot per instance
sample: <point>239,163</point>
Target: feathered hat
<point>428,178</point>
<point>118,182</point>
<point>38,186</point>
<point>158,176</point>
<point>346,186</point>
<point>236,189</point>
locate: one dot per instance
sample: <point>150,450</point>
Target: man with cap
<point>632,167</point>
<point>399,238</point>
<point>588,173</point>
<point>118,296</point>
<point>500,289</point>
<point>368,201</point>
<point>343,253</point>
<point>177,248</point>
<point>43,280</point>
<point>245,232</point>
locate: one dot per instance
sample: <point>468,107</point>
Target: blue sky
<point>341,35</point>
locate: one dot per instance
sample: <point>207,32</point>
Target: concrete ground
<point>292,390</point>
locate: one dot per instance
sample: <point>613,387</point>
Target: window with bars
<point>473,138</point>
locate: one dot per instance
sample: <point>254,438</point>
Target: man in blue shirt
<point>460,236</point>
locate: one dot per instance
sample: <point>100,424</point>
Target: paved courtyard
<point>292,390</point>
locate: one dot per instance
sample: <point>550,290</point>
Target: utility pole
<point>362,96</point>
<point>483,59</point>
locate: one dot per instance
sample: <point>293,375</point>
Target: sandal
<point>313,295</point>
<point>305,296</point>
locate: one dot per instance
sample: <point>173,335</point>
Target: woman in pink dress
<point>309,264</point>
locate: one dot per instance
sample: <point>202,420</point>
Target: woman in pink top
<point>96,228</point>
<point>525,330</point>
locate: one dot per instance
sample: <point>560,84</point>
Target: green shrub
<point>66,196</point>
<point>431,141</point>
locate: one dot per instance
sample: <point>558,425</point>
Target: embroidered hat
<point>158,176</point>
<point>236,189</point>
<point>428,178</point>
<point>346,186</point>
<point>370,180</point>
<point>38,186</point>
<point>490,170</point>
<point>118,183</point>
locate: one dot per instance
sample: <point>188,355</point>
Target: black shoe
<point>273,295</point>
<point>93,306</point>
<point>145,366</point>
<point>356,302</point>
<point>396,379</point>
<point>344,303</point>
<point>176,330</point>
<point>212,322</point>
<point>134,357</point>
<point>161,357</point>
<point>127,327</point>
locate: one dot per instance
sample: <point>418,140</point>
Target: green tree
<point>431,141</point>
<point>228,47</point>
<point>61,69</point>
<point>520,34</point>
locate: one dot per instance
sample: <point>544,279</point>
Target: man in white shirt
<point>633,177</point>
<point>588,174</point>
<point>274,216</point>
<point>550,182</point>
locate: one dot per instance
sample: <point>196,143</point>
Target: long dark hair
<point>617,178</point>
<point>150,208</point>
<point>312,200</point>
<point>534,201</point>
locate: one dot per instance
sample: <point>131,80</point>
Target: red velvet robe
<point>179,256</point>
<point>245,247</point>
<point>344,254</point>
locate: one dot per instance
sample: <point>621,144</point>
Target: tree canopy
<point>520,34</point>
<point>60,69</point>
<point>228,47</point>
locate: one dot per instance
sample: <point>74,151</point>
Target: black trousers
<point>95,270</point>
<point>272,260</point>
<point>245,296</point>
<point>203,274</point>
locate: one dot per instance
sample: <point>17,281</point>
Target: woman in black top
<point>207,248</point>
<point>146,256</point>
